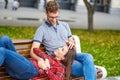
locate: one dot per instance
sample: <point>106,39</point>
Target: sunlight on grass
<point>104,45</point>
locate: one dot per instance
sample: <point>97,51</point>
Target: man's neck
<point>54,25</point>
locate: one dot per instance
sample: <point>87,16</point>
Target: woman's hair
<point>52,6</point>
<point>69,57</point>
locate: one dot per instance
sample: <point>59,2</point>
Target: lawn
<point>104,45</point>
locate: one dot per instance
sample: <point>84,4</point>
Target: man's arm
<point>40,61</point>
<point>32,54</point>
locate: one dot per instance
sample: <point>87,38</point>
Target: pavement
<point>34,17</point>
<point>25,16</point>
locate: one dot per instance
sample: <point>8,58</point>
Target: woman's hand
<point>47,63</point>
<point>43,64</point>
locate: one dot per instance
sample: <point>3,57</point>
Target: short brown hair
<point>52,6</point>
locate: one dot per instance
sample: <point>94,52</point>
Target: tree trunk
<point>90,22</point>
<point>90,11</point>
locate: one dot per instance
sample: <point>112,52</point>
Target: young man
<point>54,34</point>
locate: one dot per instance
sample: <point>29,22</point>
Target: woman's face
<point>61,52</point>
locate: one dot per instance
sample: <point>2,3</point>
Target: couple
<point>57,38</point>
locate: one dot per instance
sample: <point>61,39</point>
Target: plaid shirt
<point>56,71</point>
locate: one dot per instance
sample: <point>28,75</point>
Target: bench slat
<point>26,41</point>
<point>7,78</point>
<point>20,47</point>
<point>3,74</point>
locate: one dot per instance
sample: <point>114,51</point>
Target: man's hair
<point>52,6</point>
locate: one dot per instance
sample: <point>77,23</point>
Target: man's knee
<point>84,57</point>
<point>89,57</point>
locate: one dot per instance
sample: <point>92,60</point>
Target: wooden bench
<point>23,47</point>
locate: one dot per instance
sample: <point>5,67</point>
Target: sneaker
<point>101,72</point>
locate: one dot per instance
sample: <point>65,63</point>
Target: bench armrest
<point>77,43</point>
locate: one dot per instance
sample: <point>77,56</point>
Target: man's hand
<point>70,44</point>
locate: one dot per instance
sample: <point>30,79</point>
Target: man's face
<point>52,17</point>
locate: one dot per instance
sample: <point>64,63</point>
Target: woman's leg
<point>17,65</point>
<point>6,42</point>
<point>89,70</point>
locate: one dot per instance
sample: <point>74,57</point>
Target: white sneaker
<point>101,72</point>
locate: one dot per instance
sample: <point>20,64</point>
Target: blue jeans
<point>83,65</point>
<point>16,65</point>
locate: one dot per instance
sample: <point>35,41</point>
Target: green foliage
<point>104,45</point>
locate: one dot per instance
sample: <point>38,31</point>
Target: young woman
<point>51,66</point>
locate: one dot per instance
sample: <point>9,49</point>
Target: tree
<point>90,9</point>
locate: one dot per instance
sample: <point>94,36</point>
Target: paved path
<point>34,17</point>
<point>111,78</point>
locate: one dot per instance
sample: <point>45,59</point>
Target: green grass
<point>18,32</point>
<point>104,45</point>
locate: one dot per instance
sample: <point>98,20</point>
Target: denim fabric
<point>83,65</point>
<point>16,65</point>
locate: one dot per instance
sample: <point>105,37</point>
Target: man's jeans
<point>83,65</point>
<point>16,65</point>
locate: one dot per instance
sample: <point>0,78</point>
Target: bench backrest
<point>77,43</point>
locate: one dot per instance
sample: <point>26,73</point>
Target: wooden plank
<point>3,74</point>
<point>6,78</point>
<point>2,69</point>
<point>26,46</point>
<point>26,41</point>
<point>78,78</point>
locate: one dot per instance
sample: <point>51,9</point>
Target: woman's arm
<point>57,73</point>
